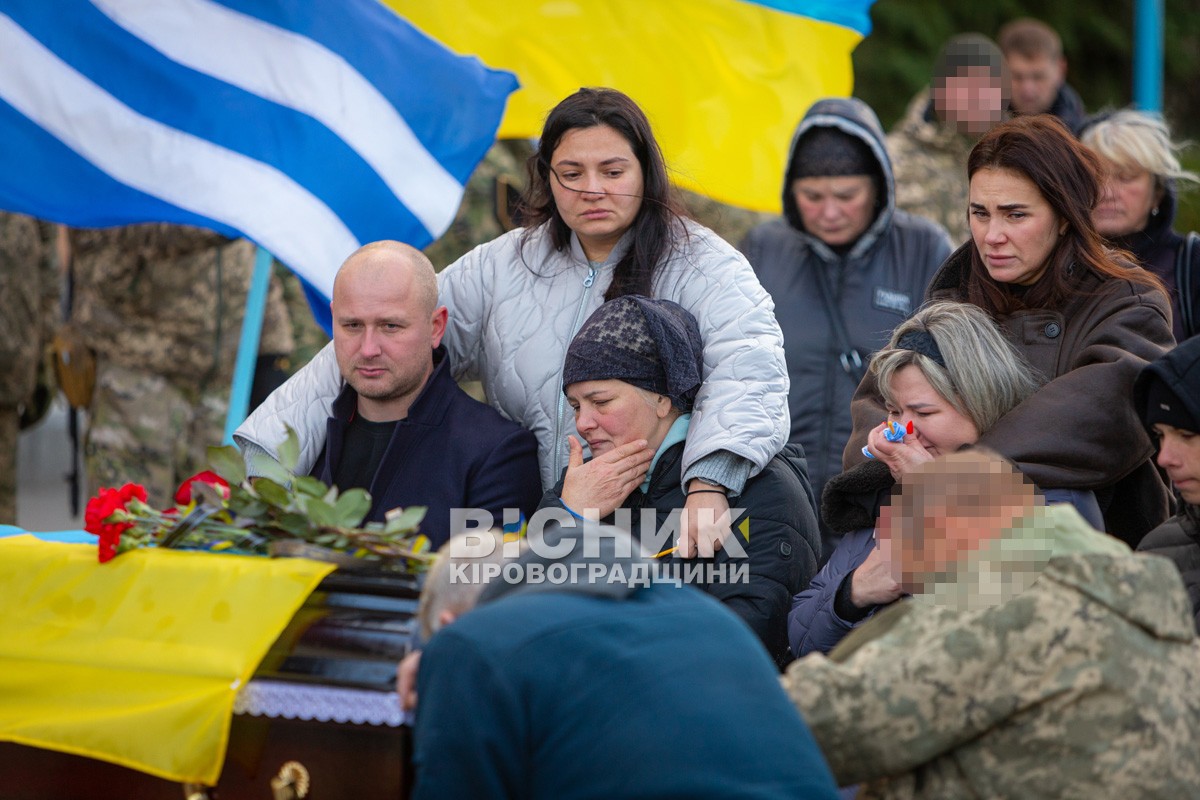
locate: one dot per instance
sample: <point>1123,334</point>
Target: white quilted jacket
<point>513,311</point>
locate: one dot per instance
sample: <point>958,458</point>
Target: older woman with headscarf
<point>631,376</point>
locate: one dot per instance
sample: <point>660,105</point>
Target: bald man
<point>402,428</point>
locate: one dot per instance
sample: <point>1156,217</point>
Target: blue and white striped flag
<point>308,126</point>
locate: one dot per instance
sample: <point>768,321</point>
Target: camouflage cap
<point>968,50</point>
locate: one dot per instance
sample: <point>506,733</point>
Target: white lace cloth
<point>279,699</point>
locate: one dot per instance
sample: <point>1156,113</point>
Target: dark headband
<point>922,342</point>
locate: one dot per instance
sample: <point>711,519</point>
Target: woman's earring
<point>1154,211</point>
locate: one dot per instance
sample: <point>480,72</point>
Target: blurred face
<point>597,186</point>
<point>1035,81</point>
<point>837,210</point>
<point>938,426</point>
<point>610,413</point>
<point>1179,455</point>
<point>946,538</point>
<point>383,335</point>
<point>1128,196</point>
<point>972,100</point>
<point>1013,227</point>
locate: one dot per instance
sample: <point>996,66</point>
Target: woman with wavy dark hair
<point>655,226</point>
<point>601,222</point>
<point>1084,317</point>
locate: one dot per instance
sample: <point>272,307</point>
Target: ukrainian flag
<point>724,82</point>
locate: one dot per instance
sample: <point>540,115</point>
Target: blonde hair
<point>984,377</point>
<point>1140,141</point>
<point>442,592</point>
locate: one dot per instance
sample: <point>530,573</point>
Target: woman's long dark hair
<point>1067,174</point>
<point>653,228</point>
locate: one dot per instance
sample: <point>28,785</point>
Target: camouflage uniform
<point>29,297</point>
<point>929,159</point>
<point>1085,685</point>
<point>162,306</point>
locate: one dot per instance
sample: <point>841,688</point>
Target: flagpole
<point>247,357</point>
<point>1148,54</point>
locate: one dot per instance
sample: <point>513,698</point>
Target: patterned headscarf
<point>652,344</point>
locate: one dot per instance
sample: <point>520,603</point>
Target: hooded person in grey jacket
<point>844,267</point>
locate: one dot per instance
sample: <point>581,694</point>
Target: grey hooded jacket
<point>876,284</point>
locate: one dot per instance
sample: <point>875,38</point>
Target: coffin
<point>324,697</point>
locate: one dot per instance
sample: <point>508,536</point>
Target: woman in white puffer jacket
<point>602,222</point>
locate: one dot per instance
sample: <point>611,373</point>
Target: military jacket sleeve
<point>913,684</point>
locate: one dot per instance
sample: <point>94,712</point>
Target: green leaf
<point>295,524</point>
<point>246,506</point>
<point>309,485</point>
<point>351,507</point>
<point>289,451</point>
<point>267,467</point>
<point>404,519</point>
<point>227,462</point>
<point>271,492</point>
<point>321,513</point>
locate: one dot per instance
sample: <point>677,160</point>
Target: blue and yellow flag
<point>724,82</point>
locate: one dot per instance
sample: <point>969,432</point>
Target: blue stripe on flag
<point>29,150</point>
<point>853,14</point>
<point>162,89</point>
<point>300,162</point>
<point>386,50</point>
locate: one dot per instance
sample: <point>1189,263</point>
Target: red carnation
<point>184,495</point>
<point>101,507</point>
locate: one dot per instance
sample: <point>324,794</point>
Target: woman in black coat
<point>631,375</point>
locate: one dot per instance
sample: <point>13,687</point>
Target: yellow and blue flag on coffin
<point>724,82</point>
<point>137,661</point>
<point>308,126</point>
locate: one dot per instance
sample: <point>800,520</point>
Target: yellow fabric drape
<point>136,661</point>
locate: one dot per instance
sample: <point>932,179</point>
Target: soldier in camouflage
<point>1080,679</point>
<point>930,145</point>
<point>29,297</point>
<point>162,306</point>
